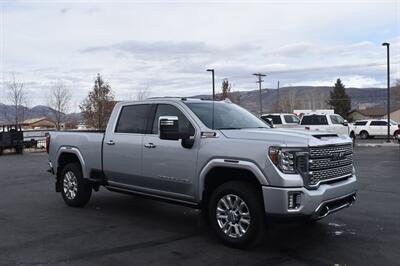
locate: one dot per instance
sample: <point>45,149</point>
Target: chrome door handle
<point>149,145</point>
<point>110,142</point>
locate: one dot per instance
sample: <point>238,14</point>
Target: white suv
<point>283,120</point>
<point>374,127</point>
<point>333,123</point>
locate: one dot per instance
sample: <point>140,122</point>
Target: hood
<point>287,137</point>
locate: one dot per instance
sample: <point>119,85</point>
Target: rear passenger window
<point>133,119</point>
<point>360,123</point>
<point>378,123</point>
<point>314,120</point>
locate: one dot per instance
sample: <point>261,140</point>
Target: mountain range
<point>295,97</point>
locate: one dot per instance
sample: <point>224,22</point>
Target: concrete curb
<point>378,144</point>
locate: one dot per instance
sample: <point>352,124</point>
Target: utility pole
<point>388,90</point>
<point>279,99</point>
<point>259,75</point>
<point>213,95</point>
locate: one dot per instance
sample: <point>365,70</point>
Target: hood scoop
<point>325,136</point>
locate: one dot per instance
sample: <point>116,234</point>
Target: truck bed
<point>88,143</point>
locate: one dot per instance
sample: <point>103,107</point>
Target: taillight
<point>47,143</point>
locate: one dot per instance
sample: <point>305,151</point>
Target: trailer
<point>11,137</point>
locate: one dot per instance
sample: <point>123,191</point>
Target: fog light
<point>294,200</point>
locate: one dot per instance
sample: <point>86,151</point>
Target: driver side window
<point>169,110</point>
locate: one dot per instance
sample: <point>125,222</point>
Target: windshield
<point>226,115</point>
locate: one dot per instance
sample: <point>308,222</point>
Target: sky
<point>166,46</point>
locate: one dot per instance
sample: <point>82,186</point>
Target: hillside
<point>304,97</point>
<point>299,97</point>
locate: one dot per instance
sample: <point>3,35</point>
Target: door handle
<point>149,145</point>
<point>110,142</point>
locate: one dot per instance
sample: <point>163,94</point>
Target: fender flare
<point>229,163</point>
<point>75,151</point>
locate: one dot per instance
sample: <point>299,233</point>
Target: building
<point>374,113</point>
<point>38,123</point>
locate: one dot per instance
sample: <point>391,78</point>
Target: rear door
<point>122,148</point>
<point>378,128</point>
<point>168,167</point>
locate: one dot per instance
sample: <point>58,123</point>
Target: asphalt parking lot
<point>37,228</point>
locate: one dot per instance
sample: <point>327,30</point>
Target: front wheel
<point>75,190</point>
<point>236,214</point>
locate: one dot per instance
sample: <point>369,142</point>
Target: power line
<point>259,75</point>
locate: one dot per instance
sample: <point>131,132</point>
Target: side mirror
<point>345,123</point>
<point>169,128</point>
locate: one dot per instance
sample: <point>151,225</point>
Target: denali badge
<point>336,156</point>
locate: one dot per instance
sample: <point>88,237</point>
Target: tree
<point>16,95</point>
<point>59,99</point>
<point>339,99</point>
<point>226,90</point>
<point>97,107</point>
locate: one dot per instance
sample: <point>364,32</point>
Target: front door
<point>168,167</point>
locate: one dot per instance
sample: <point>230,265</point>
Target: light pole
<point>213,95</point>
<point>259,75</point>
<point>388,89</point>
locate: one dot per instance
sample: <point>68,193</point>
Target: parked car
<point>282,120</point>
<point>226,162</point>
<point>332,123</point>
<point>374,128</point>
<point>11,137</point>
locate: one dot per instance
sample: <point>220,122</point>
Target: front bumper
<point>318,203</point>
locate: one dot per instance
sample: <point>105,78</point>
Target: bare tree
<point>97,107</point>
<point>142,94</point>
<point>59,100</point>
<point>17,97</point>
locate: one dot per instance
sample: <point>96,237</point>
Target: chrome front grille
<point>329,163</point>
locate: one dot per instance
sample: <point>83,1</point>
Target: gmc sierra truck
<point>215,156</point>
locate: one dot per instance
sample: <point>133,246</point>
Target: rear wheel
<point>236,214</point>
<point>75,190</point>
<point>364,135</point>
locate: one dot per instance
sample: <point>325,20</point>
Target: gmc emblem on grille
<point>336,156</point>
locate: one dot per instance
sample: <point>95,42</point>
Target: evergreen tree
<point>339,100</point>
<point>97,107</point>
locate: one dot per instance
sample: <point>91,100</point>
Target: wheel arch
<point>219,171</point>
<point>70,155</point>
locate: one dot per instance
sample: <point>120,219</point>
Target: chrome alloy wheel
<point>233,216</point>
<point>70,185</point>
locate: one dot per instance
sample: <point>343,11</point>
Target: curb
<point>377,145</point>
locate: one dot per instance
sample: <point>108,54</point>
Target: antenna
<point>213,96</point>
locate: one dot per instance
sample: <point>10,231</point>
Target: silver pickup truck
<point>214,156</point>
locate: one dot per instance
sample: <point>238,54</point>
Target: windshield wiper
<point>228,128</point>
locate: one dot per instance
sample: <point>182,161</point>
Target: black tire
<point>364,135</point>
<point>81,189</point>
<point>396,135</point>
<point>253,204</point>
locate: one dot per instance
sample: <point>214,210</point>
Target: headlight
<point>285,158</point>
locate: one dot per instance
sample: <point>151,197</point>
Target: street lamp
<point>213,95</point>
<point>388,89</point>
